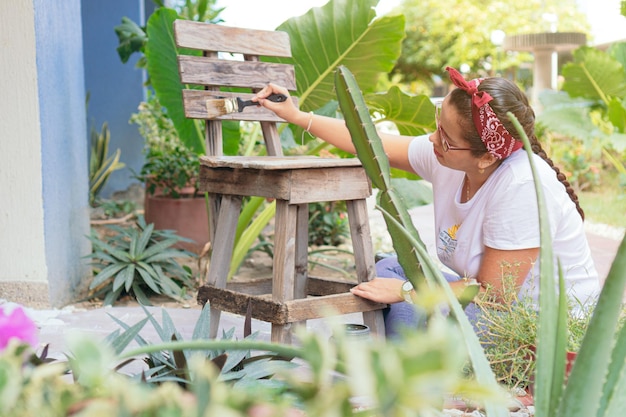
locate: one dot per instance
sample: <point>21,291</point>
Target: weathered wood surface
<point>218,38</point>
<point>286,312</point>
<point>248,74</point>
<point>278,163</point>
<point>297,186</point>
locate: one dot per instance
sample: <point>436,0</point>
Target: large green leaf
<point>342,32</point>
<point>412,115</point>
<point>568,116</point>
<point>161,54</point>
<point>594,74</point>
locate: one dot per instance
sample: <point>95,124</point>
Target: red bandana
<point>494,135</point>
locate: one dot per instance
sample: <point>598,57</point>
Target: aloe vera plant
<point>411,251</point>
<point>597,384</point>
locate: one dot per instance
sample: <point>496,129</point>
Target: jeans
<point>403,316</point>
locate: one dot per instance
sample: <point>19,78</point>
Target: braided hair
<point>507,97</point>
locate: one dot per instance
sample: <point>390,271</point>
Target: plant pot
<point>186,215</point>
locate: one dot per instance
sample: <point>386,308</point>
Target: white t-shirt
<point>503,215</point>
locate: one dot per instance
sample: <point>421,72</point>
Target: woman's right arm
<point>332,130</point>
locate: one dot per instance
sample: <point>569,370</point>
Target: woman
<point>486,216</point>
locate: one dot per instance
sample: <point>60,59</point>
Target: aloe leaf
<point>369,147</point>
<point>121,341</point>
<point>247,214</point>
<point>105,274</point>
<point>613,401</point>
<point>143,240</point>
<point>128,277</point>
<point>412,252</point>
<point>586,381</point>
<point>148,279</point>
<point>548,386</point>
<point>412,115</point>
<point>140,295</point>
<point>249,236</point>
<point>408,258</point>
<point>480,364</point>
<point>159,247</point>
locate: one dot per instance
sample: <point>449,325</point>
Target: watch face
<point>407,286</point>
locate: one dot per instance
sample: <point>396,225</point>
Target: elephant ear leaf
<point>412,115</point>
<point>342,32</point>
<point>161,54</point>
<point>594,74</point>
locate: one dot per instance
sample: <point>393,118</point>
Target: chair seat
<point>277,162</point>
<point>297,180</point>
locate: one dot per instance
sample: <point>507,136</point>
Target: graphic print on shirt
<point>447,242</point>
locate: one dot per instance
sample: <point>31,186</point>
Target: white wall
<point>22,252</point>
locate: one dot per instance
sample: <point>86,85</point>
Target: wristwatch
<point>406,290</point>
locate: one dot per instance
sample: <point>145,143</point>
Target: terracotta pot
<point>187,216</point>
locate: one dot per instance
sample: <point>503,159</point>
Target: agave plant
<point>237,367</point>
<point>138,260</point>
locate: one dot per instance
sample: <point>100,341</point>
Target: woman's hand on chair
<point>380,290</point>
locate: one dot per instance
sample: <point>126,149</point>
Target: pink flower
<point>15,324</point>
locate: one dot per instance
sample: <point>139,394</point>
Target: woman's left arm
<point>497,263</point>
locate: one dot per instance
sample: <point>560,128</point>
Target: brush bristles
<point>220,107</point>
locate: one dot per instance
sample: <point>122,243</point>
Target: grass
<point>606,203</point>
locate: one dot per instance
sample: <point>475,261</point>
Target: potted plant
<point>508,330</point>
<point>170,174</point>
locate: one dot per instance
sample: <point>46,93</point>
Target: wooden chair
<point>293,182</point>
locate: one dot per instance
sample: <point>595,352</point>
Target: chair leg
<point>222,251</point>
<point>302,251</point>
<point>284,263</point>
<point>364,257</point>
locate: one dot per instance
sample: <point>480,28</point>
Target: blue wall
<point>64,149</point>
<point>115,89</point>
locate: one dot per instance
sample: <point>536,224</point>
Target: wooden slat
<point>265,309</point>
<point>194,102</point>
<point>218,38</point>
<point>228,73</point>
<point>315,286</point>
<point>295,186</point>
<point>278,163</point>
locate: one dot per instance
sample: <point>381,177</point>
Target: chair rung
<point>272,311</point>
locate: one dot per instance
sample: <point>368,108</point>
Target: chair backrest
<point>216,68</point>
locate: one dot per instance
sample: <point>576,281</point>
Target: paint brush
<point>220,106</point>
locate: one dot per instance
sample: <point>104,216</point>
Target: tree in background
<point>459,32</point>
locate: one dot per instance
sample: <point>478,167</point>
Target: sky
<point>603,15</point>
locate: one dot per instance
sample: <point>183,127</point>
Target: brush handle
<point>276,98</point>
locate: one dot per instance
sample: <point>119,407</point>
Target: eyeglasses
<point>444,137</point>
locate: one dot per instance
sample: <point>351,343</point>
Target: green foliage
<point>101,164</point>
<point>115,208</point>
<point>140,261</point>
<point>169,166</point>
<point>412,254</point>
<point>238,367</point>
<point>592,106</point>
<point>436,36</point>
<point>343,378</point>
<point>328,224</point>
<point>508,331</point>
<point>597,383</point>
